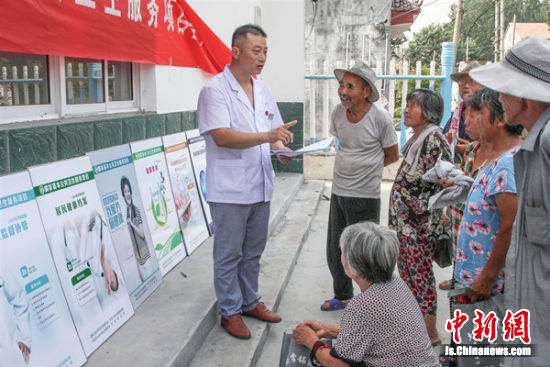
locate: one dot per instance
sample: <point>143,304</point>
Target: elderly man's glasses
<point>465,81</point>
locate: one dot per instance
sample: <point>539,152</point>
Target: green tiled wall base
<point>22,147</point>
<point>292,111</point>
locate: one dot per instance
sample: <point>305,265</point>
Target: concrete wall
<point>282,20</point>
<point>168,95</point>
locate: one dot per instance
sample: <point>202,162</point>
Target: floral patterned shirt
<point>481,220</point>
<point>409,196</point>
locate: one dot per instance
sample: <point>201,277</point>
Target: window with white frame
<point>23,79</point>
<point>40,86</point>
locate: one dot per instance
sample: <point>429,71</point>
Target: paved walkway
<point>310,284</point>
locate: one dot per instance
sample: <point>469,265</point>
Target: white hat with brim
<point>364,72</point>
<point>465,70</point>
<point>524,73</point>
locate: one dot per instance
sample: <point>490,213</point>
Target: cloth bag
<point>494,303</point>
<point>293,355</point>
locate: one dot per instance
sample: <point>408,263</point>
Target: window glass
<point>120,81</point>
<point>23,79</point>
<point>84,78</point>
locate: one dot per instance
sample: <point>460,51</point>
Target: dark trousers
<point>343,212</point>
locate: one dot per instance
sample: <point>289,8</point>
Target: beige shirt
<point>360,157</point>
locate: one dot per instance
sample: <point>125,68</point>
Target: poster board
<point>160,210</point>
<point>186,195</point>
<point>82,249</point>
<point>117,184</point>
<point>197,147</point>
<point>33,310</point>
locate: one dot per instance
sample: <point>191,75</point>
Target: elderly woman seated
<point>381,326</point>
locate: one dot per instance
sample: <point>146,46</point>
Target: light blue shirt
<point>481,220</point>
<point>237,176</point>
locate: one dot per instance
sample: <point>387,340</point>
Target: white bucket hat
<point>464,70</point>
<point>364,72</point>
<point>524,73</point>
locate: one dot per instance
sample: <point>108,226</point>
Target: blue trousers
<point>240,235</point>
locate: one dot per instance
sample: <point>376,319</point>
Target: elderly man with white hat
<point>368,142</point>
<point>523,79</point>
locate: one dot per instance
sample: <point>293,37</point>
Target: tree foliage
<point>478,23</point>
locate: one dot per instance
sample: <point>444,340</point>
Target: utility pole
<point>458,20</point>
<point>497,42</point>
<point>514,32</point>
<point>501,29</point>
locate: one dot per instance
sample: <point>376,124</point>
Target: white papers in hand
<point>315,147</point>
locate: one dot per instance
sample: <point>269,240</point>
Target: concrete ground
<point>179,324</point>
<point>310,283</point>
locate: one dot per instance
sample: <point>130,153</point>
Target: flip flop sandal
<point>445,285</point>
<point>333,304</point>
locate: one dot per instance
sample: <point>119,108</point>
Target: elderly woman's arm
<point>323,330</point>
<point>306,336</point>
<point>507,206</point>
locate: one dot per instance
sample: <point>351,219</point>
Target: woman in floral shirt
<point>486,227</point>
<point>417,227</point>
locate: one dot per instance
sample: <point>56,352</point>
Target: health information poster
<point>186,196</point>
<point>36,329</point>
<point>82,249</point>
<point>160,211</point>
<point>117,184</point>
<point>197,147</point>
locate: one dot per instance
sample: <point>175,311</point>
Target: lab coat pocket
<point>537,225</point>
<point>230,175</point>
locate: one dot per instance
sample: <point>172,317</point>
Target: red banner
<point>162,32</point>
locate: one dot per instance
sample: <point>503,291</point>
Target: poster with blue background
<point>36,328</point>
<point>117,184</point>
<point>82,249</point>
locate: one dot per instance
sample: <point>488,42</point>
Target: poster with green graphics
<point>82,249</point>
<point>160,210</point>
<point>186,196</point>
<point>36,329</point>
<point>125,214</point>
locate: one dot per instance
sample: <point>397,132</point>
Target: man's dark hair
<point>243,30</point>
<point>474,100</point>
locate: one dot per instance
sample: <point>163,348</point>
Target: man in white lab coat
<point>240,122</point>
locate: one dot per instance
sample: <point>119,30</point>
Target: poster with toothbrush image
<point>160,210</point>
<point>188,203</point>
